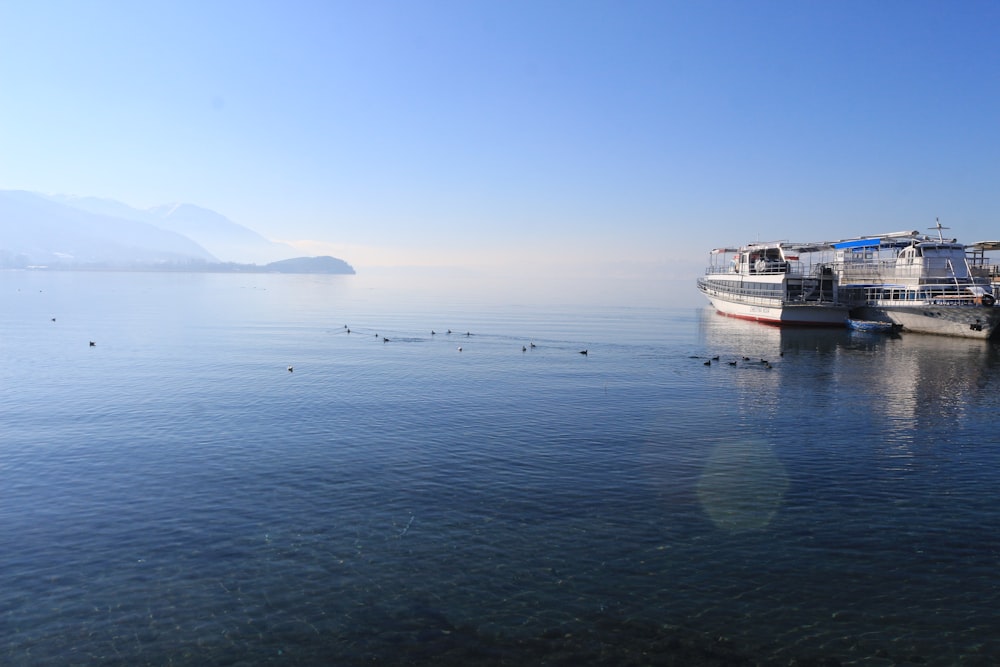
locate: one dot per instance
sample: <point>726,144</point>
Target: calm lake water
<point>175,495</point>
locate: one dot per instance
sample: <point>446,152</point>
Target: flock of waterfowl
<point>448,332</point>
<point>385,339</point>
<point>735,362</point>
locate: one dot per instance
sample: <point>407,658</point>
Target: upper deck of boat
<point>990,265</point>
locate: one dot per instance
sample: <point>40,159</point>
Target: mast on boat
<point>939,228</point>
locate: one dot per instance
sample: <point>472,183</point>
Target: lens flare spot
<point>742,486</point>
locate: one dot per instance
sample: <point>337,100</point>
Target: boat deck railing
<point>865,269</point>
<point>948,294</point>
<point>792,269</point>
<point>926,268</point>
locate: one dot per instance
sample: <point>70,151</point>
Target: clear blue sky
<point>451,132</point>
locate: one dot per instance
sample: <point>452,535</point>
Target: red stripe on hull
<point>777,323</point>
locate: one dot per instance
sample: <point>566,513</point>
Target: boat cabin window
<point>947,259</point>
<point>767,260</point>
<point>944,251</point>
<point>909,254</point>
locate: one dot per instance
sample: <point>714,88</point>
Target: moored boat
<point>775,283</point>
<point>924,284</point>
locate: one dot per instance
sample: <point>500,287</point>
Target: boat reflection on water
<point>742,338</point>
<point>842,490</point>
<point>911,380</point>
<point>926,379</point>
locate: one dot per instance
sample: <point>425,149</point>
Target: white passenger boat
<point>776,283</point>
<point>927,285</point>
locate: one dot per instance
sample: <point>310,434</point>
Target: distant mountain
<point>34,230</point>
<point>222,237</point>
<point>89,233</point>
<point>323,264</point>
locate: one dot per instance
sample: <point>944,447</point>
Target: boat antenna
<point>939,228</point>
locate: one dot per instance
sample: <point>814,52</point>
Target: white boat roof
<point>888,239</point>
<point>785,245</point>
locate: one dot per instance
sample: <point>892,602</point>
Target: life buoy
<point>988,300</point>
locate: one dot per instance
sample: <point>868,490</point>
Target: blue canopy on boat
<point>872,243</point>
<point>858,243</point>
<point>895,239</point>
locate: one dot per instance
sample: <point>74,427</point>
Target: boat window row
<point>943,293</point>
<point>742,288</point>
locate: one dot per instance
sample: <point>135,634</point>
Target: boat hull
<point>980,322</point>
<point>778,313</point>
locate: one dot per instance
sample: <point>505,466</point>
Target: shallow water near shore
<point>296,470</point>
